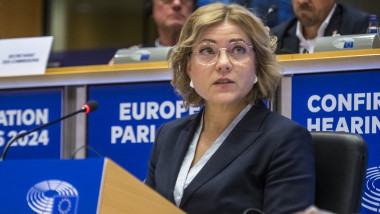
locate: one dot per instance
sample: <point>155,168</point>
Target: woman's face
<point>227,78</point>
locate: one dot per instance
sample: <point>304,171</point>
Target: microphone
<point>88,107</point>
<point>272,10</point>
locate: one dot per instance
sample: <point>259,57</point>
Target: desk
<point>75,82</point>
<point>310,82</point>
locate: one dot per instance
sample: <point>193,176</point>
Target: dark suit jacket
<point>345,21</point>
<point>266,163</point>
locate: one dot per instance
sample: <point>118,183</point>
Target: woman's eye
<point>207,51</point>
<point>239,50</point>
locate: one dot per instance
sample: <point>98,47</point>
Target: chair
<point>341,163</point>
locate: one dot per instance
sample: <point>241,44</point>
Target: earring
<point>191,84</point>
<point>256,80</point>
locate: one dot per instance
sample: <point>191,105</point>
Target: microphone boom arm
<point>88,107</point>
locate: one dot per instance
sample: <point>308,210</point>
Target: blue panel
<point>344,102</point>
<point>29,186</point>
<point>24,110</point>
<point>124,126</point>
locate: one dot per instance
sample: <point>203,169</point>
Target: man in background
<point>169,16</point>
<point>317,18</point>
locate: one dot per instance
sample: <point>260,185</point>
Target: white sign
<point>24,56</point>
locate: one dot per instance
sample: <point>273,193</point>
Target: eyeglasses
<point>207,53</point>
<point>184,2</point>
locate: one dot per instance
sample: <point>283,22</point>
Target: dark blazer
<point>266,163</point>
<point>344,21</point>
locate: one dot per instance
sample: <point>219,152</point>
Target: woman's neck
<point>217,118</point>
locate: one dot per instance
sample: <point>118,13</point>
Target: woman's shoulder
<point>279,123</point>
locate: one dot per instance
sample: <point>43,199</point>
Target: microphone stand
<point>16,137</point>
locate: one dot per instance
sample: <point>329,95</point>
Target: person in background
<point>169,16</point>
<point>317,18</point>
<point>273,12</point>
<point>235,155</point>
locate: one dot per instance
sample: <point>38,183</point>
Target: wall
<point>370,6</point>
<point>21,18</point>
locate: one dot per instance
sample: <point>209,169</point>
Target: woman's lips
<point>223,81</point>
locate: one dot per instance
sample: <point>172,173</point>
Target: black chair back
<point>341,164</point>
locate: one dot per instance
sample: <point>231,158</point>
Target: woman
<point>235,155</point>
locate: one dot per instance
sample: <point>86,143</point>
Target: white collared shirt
<point>309,44</point>
<point>187,174</point>
<point>158,44</point>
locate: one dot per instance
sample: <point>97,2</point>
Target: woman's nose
<point>223,63</point>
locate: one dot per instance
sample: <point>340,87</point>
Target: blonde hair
<point>267,69</point>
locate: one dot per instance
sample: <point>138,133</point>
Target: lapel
<point>242,136</point>
<point>292,42</point>
<point>335,22</point>
<point>180,150</point>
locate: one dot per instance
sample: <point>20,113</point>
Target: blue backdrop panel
<point>129,115</point>
<point>50,186</point>
<point>24,110</point>
<point>347,102</point>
